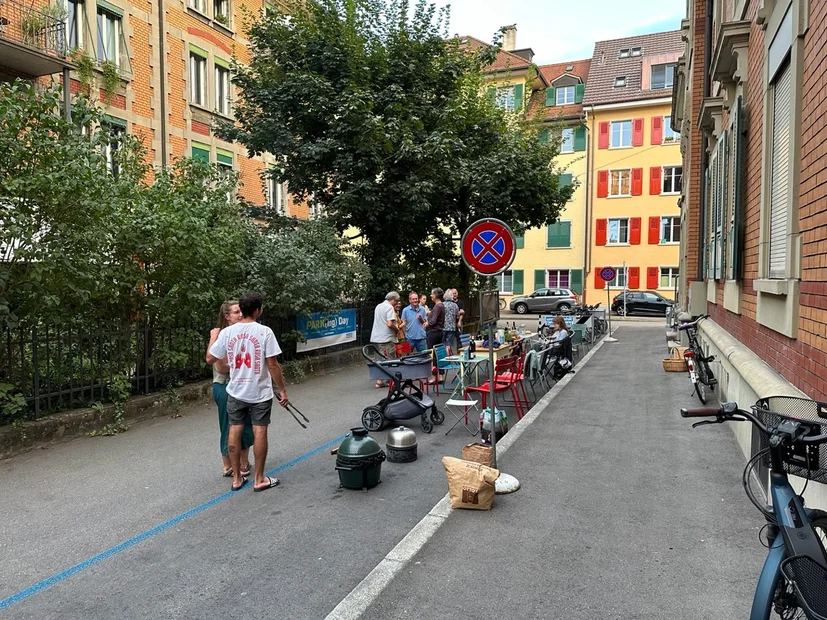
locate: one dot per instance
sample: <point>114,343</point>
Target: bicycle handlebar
<point>727,412</point>
<point>684,326</point>
<point>701,412</point>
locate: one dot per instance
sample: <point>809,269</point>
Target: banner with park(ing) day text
<point>324,329</point>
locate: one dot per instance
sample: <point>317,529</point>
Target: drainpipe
<point>67,96</point>
<point>163,76</point>
<point>587,251</point>
<point>702,236</point>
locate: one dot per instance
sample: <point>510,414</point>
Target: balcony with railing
<point>32,39</point>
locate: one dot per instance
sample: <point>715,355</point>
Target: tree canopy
<point>382,120</point>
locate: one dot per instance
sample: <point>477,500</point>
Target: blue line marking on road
<point>50,581</point>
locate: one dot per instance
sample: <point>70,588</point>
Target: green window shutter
<point>518,96</point>
<point>579,91</point>
<point>110,8</point>
<point>220,62</point>
<point>558,235</point>
<point>201,152</point>
<point>517,281</point>
<point>224,157</point>
<point>565,234</point>
<point>519,241</point>
<point>540,279</point>
<point>576,281</point>
<point>551,97</point>
<point>492,94</point>
<point>737,196</point>
<point>199,51</point>
<point>565,180</point>
<point>544,134</point>
<point>580,138</point>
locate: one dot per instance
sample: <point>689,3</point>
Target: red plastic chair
<point>402,348</point>
<point>517,378</point>
<point>504,365</point>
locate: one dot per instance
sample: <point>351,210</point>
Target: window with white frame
<point>636,51</point>
<point>618,231</point>
<point>780,169</point>
<point>226,168</point>
<point>74,22</point>
<point>559,278</point>
<point>669,277</point>
<point>620,81</point>
<point>619,280</point>
<point>620,182</point>
<point>565,95</point>
<point>567,140</point>
<point>275,195</point>
<point>505,282</point>
<point>198,5</point>
<point>671,181</point>
<point>621,134</point>
<point>505,97</point>
<point>111,148</point>
<point>668,134</point>
<point>109,37</point>
<point>670,229</point>
<point>623,53</point>
<point>222,90</point>
<point>198,79</point>
<point>221,12</point>
<point>663,76</point>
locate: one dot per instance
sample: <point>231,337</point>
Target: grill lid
<point>401,437</point>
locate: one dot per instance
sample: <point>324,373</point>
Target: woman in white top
<point>230,314</point>
<point>561,332</point>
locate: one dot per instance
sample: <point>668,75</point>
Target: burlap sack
<point>478,453</point>
<point>470,485</point>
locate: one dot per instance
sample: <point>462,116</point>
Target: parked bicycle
<point>697,362</point>
<point>793,582</point>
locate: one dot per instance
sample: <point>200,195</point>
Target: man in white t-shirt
<point>251,349</point>
<point>385,331</point>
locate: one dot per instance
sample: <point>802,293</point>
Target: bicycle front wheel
<point>784,603</point>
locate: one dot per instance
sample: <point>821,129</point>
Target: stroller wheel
<point>437,417</point>
<point>373,419</point>
<point>427,426</point>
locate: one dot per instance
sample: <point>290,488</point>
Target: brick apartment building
<point>750,103</point>
<point>173,59</point>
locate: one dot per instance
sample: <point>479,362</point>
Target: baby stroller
<point>399,404</point>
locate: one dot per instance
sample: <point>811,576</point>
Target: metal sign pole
<point>609,306</point>
<point>491,383</point>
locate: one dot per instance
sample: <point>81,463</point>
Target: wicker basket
<point>674,365</point>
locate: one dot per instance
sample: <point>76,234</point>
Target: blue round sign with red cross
<point>488,247</point>
<point>608,274</point>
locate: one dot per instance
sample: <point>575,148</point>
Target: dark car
<point>641,302</point>
<point>545,300</point>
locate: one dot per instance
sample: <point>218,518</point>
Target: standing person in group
<point>461,306</point>
<point>230,314</point>
<point>251,350</point>
<point>400,324</point>
<point>415,318</point>
<point>385,330</point>
<point>423,303</point>
<point>436,323</point>
<point>450,334</point>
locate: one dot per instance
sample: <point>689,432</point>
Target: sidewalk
<point>625,512</point>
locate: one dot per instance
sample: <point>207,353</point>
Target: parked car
<point>545,300</point>
<point>641,302</point>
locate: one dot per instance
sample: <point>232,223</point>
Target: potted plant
<point>222,19</point>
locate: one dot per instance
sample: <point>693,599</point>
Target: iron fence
<point>59,367</point>
<point>32,27</point>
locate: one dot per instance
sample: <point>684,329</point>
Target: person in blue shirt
<point>415,318</point>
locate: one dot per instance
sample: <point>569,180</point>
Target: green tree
<point>376,115</point>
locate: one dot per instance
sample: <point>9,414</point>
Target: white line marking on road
<point>360,598</point>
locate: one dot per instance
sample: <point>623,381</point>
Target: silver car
<point>544,300</point>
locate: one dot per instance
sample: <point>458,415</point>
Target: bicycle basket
<point>806,461</point>
<point>808,578</point>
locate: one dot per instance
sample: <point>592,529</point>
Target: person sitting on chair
<point>561,332</point>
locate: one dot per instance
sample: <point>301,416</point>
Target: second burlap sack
<point>470,485</point>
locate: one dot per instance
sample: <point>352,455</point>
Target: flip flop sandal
<point>274,482</point>
<point>245,471</point>
<point>239,487</point>
<point>228,473</point>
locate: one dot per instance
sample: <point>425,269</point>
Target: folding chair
<point>440,353</point>
<point>453,405</point>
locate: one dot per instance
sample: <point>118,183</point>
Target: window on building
<point>224,159</point>
<point>505,98</point>
<point>275,196</point>
<point>636,51</point>
<point>663,76</point>
<point>222,90</point>
<point>668,134</point>
<point>565,95</point>
<point>623,53</point>
<point>620,81</point>
<point>505,282</point>
<point>559,278</point>
<point>672,176</point>
<point>198,5</point>
<point>110,150</point>
<point>621,134</point>
<point>198,79</point>
<point>558,235</point>
<point>780,170</point>
<point>670,229</point>
<point>74,23</point>
<point>620,182</point>
<point>221,12</point>
<point>668,277</point>
<point>620,278</point>
<point>567,140</point>
<point>109,37</point>
<point>618,231</point>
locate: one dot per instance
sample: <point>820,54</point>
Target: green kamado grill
<point>359,460</point>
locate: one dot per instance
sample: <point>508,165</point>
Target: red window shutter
<point>603,135</point>
<point>637,181</point>
<point>598,281</point>
<point>657,129</point>
<point>654,230</point>
<point>634,231</point>
<point>652,277</point>
<point>637,132</point>
<point>634,277</point>
<point>654,180</point>
<point>600,231</point>
<point>602,183</point>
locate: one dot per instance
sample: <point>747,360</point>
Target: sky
<point>557,34</point>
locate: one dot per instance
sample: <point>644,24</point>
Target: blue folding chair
<point>440,353</point>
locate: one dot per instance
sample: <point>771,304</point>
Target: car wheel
<point>521,308</point>
<point>619,311</point>
<point>564,307</point>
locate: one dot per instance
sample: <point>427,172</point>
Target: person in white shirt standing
<point>251,350</point>
<point>385,331</point>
